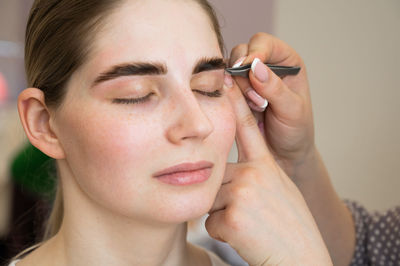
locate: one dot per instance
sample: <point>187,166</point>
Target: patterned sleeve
<point>377,236</point>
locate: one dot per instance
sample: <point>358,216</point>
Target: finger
<point>224,194</point>
<point>272,50</point>
<point>264,46</point>
<point>238,56</point>
<point>249,140</point>
<point>269,86</point>
<point>222,199</point>
<point>215,227</point>
<point>259,104</point>
<point>226,225</point>
<point>238,53</point>
<point>230,170</point>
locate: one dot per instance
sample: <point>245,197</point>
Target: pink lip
<point>185,173</point>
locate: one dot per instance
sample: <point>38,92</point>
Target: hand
<point>258,210</point>
<point>287,122</point>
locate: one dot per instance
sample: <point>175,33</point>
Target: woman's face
<point>150,97</point>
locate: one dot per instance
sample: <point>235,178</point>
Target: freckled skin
<point>112,150</point>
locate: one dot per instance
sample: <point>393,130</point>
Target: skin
<point>259,211</point>
<point>288,132</point>
<point>107,152</point>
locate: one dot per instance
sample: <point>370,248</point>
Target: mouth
<point>185,173</point>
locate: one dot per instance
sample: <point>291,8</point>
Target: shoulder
<point>377,235</point>
<point>13,263</point>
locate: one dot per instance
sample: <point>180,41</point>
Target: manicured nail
<point>254,107</point>
<point>259,70</point>
<point>228,81</point>
<point>239,62</point>
<point>257,99</point>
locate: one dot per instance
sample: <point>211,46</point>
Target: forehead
<point>174,31</point>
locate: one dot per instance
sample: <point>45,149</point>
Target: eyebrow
<point>208,64</point>
<point>131,69</point>
<point>149,68</point>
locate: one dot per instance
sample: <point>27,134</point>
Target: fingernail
<point>257,99</point>
<point>228,81</point>
<point>254,107</point>
<point>259,70</point>
<point>239,62</point>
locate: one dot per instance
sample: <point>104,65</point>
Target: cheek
<point>101,138</point>
<point>108,154</point>
<point>224,122</point>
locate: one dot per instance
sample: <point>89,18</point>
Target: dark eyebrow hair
<point>144,68</point>
<point>131,69</point>
<point>208,64</point>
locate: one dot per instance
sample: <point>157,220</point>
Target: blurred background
<point>351,49</point>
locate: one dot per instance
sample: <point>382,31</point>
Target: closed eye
<point>214,94</point>
<point>133,100</point>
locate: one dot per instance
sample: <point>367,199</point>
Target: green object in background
<point>34,171</point>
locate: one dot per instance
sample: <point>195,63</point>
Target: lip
<point>185,173</point>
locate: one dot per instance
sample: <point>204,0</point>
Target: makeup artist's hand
<point>258,210</point>
<point>287,123</point>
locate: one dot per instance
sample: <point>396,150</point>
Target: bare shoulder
<point>42,254</point>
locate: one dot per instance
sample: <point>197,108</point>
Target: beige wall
<point>351,49</point>
<point>352,53</point>
<point>241,19</point>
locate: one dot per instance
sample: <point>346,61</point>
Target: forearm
<point>333,218</point>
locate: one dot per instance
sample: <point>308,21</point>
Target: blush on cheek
<point>224,122</point>
<point>123,139</point>
<point>100,138</point>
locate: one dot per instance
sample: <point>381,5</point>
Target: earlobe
<point>35,118</point>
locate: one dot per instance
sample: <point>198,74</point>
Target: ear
<point>35,118</point>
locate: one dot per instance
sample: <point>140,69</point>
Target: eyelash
<point>133,100</point>
<point>213,94</point>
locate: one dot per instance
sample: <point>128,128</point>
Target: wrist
<point>294,166</point>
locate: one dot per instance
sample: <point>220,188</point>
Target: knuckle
<point>248,120</point>
<point>249,172</point>
<point>232,219</point>
<point>237,52</point>
<point>239,48</point>
<point>240,191</point>
<point>259,35</point>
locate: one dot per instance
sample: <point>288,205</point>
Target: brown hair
<point>58,42</point>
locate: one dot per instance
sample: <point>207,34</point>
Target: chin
<point>182,208</point>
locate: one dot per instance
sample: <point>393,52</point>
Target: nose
<point>189,122</point>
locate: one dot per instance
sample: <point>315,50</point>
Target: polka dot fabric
<point>377,236</point>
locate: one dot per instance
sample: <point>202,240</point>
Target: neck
<point>115,242</point>
<point>94,235</point>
